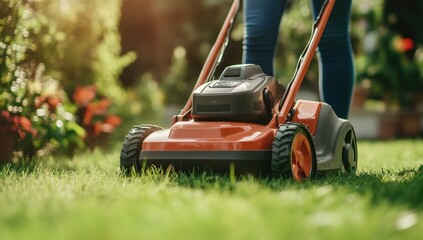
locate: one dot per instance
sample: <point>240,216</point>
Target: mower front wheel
<point>132,146</point>
<point>293,153</point>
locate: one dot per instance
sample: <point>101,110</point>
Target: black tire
<point>283,162</point>
<point>131,147</point>
<point>349,152</point>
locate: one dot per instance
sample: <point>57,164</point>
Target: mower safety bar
<point>214,56</point>
<point>319,25</point>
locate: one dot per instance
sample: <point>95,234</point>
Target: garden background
<point>76,75</point>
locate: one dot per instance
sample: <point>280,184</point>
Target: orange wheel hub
<point>301,157</point>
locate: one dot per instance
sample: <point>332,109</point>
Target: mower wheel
<point>293,153</point>
<point>132,146</point>
<point>349,152</point>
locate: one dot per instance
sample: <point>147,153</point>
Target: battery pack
<point>242,93</point>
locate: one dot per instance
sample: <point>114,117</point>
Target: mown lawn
<point>86,198</point>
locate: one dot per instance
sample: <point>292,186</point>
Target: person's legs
<point>336,66</point>
<point>261,19</point>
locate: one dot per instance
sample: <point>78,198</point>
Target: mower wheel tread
<point>281,150</point>
<point>132,146</point>
<point>280,153</point>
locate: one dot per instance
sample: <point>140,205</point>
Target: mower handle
<point>214,56</point>
<point>288,100</point>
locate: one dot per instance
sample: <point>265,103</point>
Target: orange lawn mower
<point>247,119</point>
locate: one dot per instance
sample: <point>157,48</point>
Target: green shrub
<point>385,55</point>
<point>149,98</point>
<point>175,85</point>
<point>32,104</point>
<point>80,42</point>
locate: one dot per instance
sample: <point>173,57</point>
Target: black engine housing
<point>242,93</point>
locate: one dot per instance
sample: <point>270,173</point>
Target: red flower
<point>5,118</point>
<point>107,126</point>
<point>96,109</point>
<point>94,113</point>
<point>51,102</point>
<point>84,95</point>
<point>404,44</point>
<point>113,120</point>
<point>19,124</point>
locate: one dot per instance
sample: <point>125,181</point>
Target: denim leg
<point>335,57</point>
<point>261,19</point>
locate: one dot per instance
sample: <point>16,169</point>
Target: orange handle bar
<point>305,60</point>
<point>214,55</point>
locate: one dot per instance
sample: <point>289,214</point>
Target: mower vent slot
<point>232,72</point>
<point>214,108</point>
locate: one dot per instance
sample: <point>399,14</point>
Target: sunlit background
<point>77,74</point>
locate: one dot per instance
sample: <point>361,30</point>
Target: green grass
<point>86,198</point>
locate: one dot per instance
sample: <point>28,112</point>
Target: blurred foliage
<point>377,28</point>
<point>27,93</point>
<point>163,27</point>
<point>404,21</point>
<point>177,91</point>
<point>388,55</point>
<point>94,115</point>
<point>377,35</point>
<point>405,17</point>
<point>80,42</point>
<point>295,31</point>
<point>150,97</point>
<point>48,49</point>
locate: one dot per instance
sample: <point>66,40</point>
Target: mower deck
<point>214,145</point>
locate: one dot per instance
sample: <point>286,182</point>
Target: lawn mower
<point>247,121</point>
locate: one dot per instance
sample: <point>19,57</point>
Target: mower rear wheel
<point>293,153</point>
<point>349,152</point>
<point>132,146</point>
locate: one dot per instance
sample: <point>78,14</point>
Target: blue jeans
<point>336,67</point>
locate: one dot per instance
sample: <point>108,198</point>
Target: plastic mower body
<point>247,119</point>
